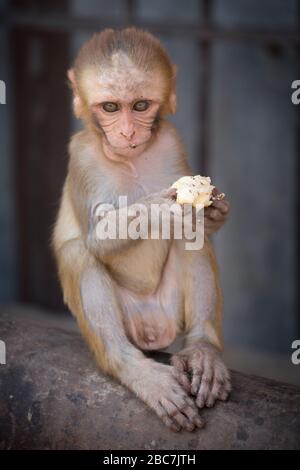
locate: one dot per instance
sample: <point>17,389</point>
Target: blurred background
<point>236,62</point>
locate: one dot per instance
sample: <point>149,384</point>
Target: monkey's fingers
<point>216,195</point>
<point>215,192</point>
<point>168,421</point>
<point>172,404</point>
<point>179,362</point>
<point>197,372</point>
<point>219,202</point>
<point>170,193</point>
<point>206,382</point>
<point>192,412</point>
<point>183,380</point>
<point>180,372</point>
<point>225,388</point>
<point>214,214</point>
<point>224,392</point>
<point>222,206</point>
<point>220,386</point>
<point>183,414</point>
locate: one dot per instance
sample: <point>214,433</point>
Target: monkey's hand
<point>165,196</point>
<point>209,378</point>
<point>216,215</point>
<point>163,393</point>
<point>163,203</point>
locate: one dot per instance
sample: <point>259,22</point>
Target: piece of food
<point>196,190</point>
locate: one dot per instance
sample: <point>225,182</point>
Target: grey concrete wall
<point>256,14</point>
<point>253,159</point>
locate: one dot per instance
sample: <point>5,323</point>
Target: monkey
<point>131,296</point>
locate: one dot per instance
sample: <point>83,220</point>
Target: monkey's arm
<point>86,190</point>
<point>103,247</point>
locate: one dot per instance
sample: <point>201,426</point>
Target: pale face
<point>124,102</point>
<point>127,125</point>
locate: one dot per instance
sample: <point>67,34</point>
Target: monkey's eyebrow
<point>99,99</point>
<point>101,103</point>
<point>148,100</point>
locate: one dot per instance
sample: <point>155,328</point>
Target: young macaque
<point>130,295</point>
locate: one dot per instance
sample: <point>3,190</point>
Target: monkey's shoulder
<point>81,143</point>
<point>170,150</point>
<point>169,136</point>
<point>84,152</point>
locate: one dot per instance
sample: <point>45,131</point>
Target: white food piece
<point>195,190</point>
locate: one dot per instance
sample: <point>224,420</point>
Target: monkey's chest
<point>152,321</point>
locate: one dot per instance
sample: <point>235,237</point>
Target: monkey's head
<point>123,82</point>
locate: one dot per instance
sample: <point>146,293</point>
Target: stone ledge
<point>53,397</point>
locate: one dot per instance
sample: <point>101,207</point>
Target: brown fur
<point>129,295</point>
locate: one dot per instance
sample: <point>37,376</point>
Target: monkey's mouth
<point>127,146</point>
<point>134,145</point>
<point>131,145</point>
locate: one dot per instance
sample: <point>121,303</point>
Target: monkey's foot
<point>202,370</point>
<point>172,404</point>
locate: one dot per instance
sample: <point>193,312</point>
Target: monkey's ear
<point>71,77</point>
<point>173,98</point>
<point>173,102</point>
<point>77,104</point>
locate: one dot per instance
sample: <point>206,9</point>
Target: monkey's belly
<point>152,321</point>
<point>139,268</point>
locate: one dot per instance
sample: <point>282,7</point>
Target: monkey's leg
<point>201,358</point>
<point>92,296</point>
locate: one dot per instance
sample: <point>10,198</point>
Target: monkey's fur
<point>133,295</point>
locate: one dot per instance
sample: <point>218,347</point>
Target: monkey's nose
<point>128,135</point>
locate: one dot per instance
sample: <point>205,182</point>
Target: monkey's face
<point>125,103</point>
<point>127,125</point>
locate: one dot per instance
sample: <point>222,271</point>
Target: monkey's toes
<point>179,413</point>
<point>220,391</point>
<point>179,372</point>
<point>214,387</point>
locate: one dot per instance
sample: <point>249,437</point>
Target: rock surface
<point>53,397</point>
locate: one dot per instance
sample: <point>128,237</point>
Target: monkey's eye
<point>110,107</point>
<point>141,105</point>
